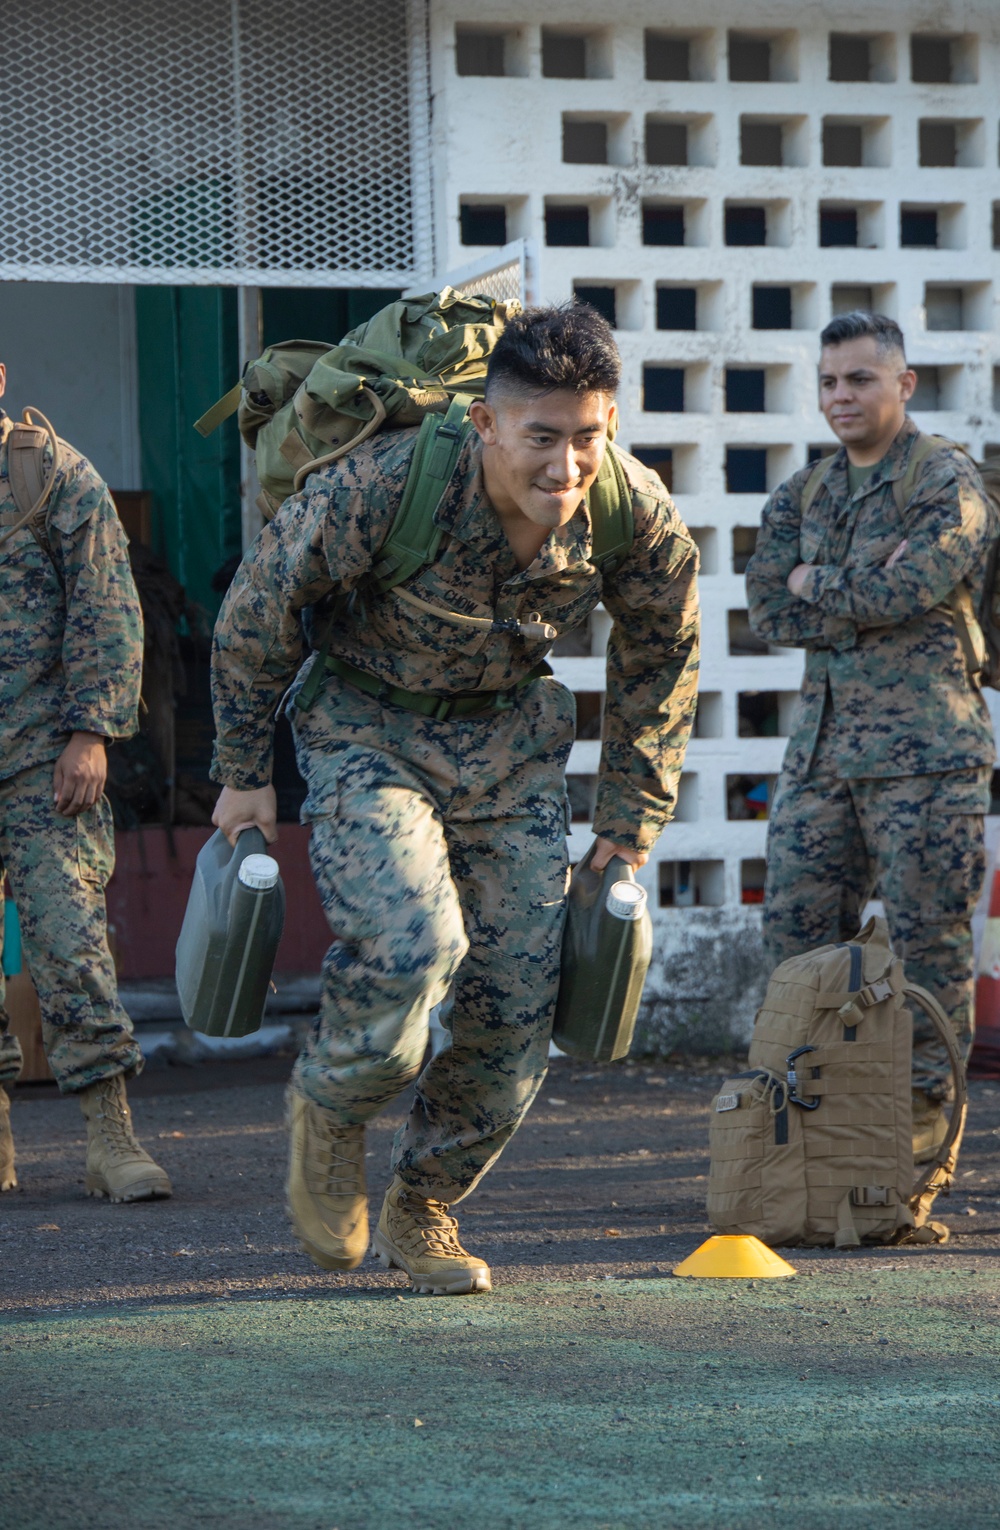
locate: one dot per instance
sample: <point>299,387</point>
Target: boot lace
<point>431,1227</point>
<point>115,1124</point>
<point>334,1163</point>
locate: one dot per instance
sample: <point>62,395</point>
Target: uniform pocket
<point>954,853</point>
<point>95,843</point>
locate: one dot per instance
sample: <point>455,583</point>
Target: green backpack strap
<point>612,523</point>
<point>414,538</point>
<point>812,484</point>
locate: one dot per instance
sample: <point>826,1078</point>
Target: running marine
<point>434,756</point>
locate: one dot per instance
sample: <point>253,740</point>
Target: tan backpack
<point>814,1143</point>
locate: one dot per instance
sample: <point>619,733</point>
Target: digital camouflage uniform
<point>439,846</point>
<point>887,774</point>
<point>72,661</point>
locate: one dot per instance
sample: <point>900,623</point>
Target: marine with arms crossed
<point>887,774</point>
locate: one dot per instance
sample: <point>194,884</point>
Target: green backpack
<point>419,361</point>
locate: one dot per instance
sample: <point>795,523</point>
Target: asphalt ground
<point>182,1363</point>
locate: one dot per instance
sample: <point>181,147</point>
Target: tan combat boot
<point>8,1177</point>
<point>418,1236</point>
<point>930,1126</point>
<point>117,1167</point>
<point>325,1193</point>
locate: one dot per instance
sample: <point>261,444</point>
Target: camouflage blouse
<point>326,539</point>
<point>889,666</point>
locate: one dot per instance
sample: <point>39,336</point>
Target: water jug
<point>607,946</point>
<point>229,938</point>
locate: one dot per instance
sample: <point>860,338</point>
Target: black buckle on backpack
<point>793,1080</point>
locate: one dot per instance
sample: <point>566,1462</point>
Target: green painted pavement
<point>868,1392</point>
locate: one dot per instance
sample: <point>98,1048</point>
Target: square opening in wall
<point>706,539</point>
<point>746,469</point>
<point>944,307</point>
<point>666,142</point>
<point>850,57</point>
<point>842,143</point>
<point>771,307</point>
<point>585,143</point>
<point>743,641</point>
<point>996,399</point>
<point>927,394</point>
<point>589,714</point>
<point>938,144</point>
<point>663,225</point>
<point>753,874</point>
<point>756,57</point>
<point>745,390</point>
<point>708,717</point>
<point>483,51</point>
<point>686,810</point>
<point>744,546</point>
<point>918,228</point>
<point>746,225</point>
<point>582,794</point>
<point>663,389</point>
<point>604,299</point>
<point>761,143</point>
<point>564,55</point>
<point>567,224</point>
<point>754,223</point>
<point>483,223</point>
<point>673,55</point>
<point>943,59</point>
<point>838,226</point>
<point>749,797</point>
<point>851,299</point>
<point>676,307</point>
<point>659,460</point>
<point>996,225</point>
<point>691,884</point>
<point>759,713</point>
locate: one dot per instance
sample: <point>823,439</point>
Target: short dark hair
<point>853,326</point>
<point>569,346</point>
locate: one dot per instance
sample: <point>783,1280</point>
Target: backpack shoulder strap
<point>612,522</point>
<point>813,482</point>
<point>922,448</point>
<point>413,538</point>
<point>30,485</point>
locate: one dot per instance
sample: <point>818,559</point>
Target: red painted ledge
<point>148,894</point>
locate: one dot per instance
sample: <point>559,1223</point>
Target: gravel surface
<point>607,1176</point>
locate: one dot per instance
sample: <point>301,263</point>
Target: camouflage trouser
<point>439,851</point>
<point>58,869</point>
<point>916,842</point>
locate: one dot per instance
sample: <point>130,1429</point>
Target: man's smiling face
<point>542,450</point>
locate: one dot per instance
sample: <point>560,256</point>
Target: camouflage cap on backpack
<point>305,403</point>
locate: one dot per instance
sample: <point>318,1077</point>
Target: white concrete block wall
<point>499,141</point>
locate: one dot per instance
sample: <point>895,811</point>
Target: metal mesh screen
<point>214,141</point>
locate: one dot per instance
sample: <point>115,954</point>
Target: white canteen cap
<point>259,872</point>
<point>626,900</point>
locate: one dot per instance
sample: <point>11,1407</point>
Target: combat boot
<point>325,1193</point>
<point>117,1167</point>
<point>930,1126</point>
<point>8,1177</point>
<point>419,1237</point>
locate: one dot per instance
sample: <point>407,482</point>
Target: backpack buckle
<point>793,1081</point>
<point>875,993</point>
<point>871,1195</point>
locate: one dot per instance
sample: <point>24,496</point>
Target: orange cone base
<point>734,1258</point>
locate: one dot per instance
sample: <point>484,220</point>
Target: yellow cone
<point>738,1258</point>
